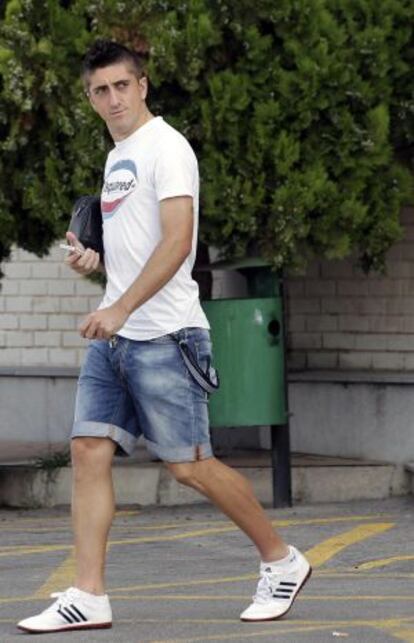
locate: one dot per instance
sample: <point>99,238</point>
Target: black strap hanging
<point>209,381</point>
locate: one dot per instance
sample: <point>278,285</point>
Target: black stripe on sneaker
<point>287,584</point>
<point>78,612</point>
<point>70,613</point>
<point>65,616</point>
<point>281,596</point>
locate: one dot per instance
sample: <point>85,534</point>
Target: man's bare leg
<point>233,494</point>
<point>93,508</point>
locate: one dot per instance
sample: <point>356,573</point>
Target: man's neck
<point>143,120</point>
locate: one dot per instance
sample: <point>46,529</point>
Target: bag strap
<point>203,379</point>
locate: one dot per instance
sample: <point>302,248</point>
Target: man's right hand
<point>84,263</point>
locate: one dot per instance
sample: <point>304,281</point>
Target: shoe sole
<point>87,626</point>
<point>276,618</point>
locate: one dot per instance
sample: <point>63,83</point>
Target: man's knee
<point>182,471</point>
<point>190,474</point>
<point>91,452</point>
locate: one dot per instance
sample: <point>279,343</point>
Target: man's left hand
<point>104,323</point>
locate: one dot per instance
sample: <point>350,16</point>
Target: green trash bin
<point>248,353</point>
<point>248,348</point>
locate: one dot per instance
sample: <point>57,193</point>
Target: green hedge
<point>301,114</point>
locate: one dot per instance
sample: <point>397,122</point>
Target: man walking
<point>134,380</point>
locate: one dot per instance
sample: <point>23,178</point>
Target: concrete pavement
<point>184,574</point>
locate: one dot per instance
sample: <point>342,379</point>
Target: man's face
<point>117,95</point>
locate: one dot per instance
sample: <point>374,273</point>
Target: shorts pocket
<point>199,344</point>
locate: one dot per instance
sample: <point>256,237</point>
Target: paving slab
<point>183,574</point>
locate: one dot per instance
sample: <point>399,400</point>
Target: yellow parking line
<point>400,628</point>
<point>188,583</point>
<point>357,572</point>
<point>292,628</point>
<point>395,628</point>
<point>59,579</point>
<point>317,555</point>
<point>241,597</point>
<point>246,577</point>
<point>24,550</point>
<point>237,579</point>
<point>359,597</point>
<point>15,525</point>
<point>127,512</point>
<point>323,573</point>
<point>403,634</point>
<point>7,549</point>
<point>225,597</point>
<point>327,549</point>
<point>269,631</point>
<point>382,562</point>
<point>16,599</point>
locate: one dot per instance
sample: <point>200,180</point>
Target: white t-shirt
<point>154,163</point>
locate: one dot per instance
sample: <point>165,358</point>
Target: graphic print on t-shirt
<point>120,181</point>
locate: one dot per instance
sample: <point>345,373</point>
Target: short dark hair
<point>108,52</point>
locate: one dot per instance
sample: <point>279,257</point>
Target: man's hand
<point>104,323</point>
<point>84,263</point>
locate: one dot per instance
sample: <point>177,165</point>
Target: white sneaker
<point>73,610</point>
<point>277,588</point>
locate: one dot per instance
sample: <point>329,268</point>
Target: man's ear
<point>143,85</point>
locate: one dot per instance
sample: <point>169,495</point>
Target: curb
<point>150,484</point>
<point>409,468</point>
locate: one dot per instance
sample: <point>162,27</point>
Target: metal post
<point>280,436</point>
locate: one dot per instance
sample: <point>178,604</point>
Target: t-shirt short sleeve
<point>176,171</point>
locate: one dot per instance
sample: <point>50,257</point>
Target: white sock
<point>89,595</point>
<point>282,562</point>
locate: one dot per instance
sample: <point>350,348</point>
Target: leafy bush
<point>301,114</point>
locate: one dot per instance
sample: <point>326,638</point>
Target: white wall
<point>353,417</point>
<point>341,319</point>
<point>338,318</point>
<point>42,303</point>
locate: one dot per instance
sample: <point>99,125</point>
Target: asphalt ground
<point>185,573</point>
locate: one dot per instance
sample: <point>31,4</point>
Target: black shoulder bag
<point>86,223</point>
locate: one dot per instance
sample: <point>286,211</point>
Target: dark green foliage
<point>298,112</point>
<point>53,460</point>
<point>45,124</point>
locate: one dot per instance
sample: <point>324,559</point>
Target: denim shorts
<point>129,388</point>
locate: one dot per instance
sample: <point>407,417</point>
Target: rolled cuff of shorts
<point>125,441</point>
<point>180,454</point>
